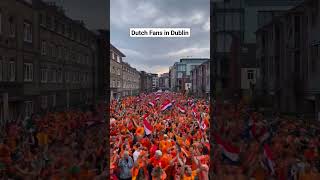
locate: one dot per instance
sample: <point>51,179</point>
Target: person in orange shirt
<point>165,143</point>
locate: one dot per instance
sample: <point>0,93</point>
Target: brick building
<point>47,60</point>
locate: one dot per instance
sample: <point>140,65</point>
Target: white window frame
<point>12,71</point>
<point>44,47</point>
<point>66,76</point>
<point>12,28</point>
<point>28,108</point>
<point>28,72</point>
<point>43,75</point>
<point>250,72</point>
<point>27,32</point>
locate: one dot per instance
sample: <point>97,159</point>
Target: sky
<point>156,55</point>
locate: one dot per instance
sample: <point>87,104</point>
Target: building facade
<point>116,82</point>
<point>232,33</point>
<point>200,80</point>
<point>180,72</point>
<point>288,53</point>
<point>47,60</point>
<point>145,82</point>
<point>164,81</point>
<point>155,81</point>
<point>130,80</point>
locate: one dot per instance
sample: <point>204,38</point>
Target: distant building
<point>155,81</point>
<point>116,81</point>
<point>232,34</point>
<point>180,72</point>
<point>200,80</point>
<point>130,80</point>
<point>288,55</point>
<point>145,82</point>
<point>164,81</point>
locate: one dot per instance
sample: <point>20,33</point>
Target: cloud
<point>206,26</point>
<point>190,52</point>
<point>158,54</point>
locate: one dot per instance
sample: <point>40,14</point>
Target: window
<point>50,75</point>
<point>49,49</point>
<point>250,74</point>
<point>113,83</point>
<point>43,48</point>
<point>118,59</point>
<point>28,72</point>
<point>59,76</point>
<point>118,72</point>
<point>41,19</point>
<point>28,108</point>
<point>27,31</point>
<point>118,84</point>
<point>44,75</point>
<point>66,74</point>
<point>12,70</point>
<point>44,102</point>
<point>112,55</point>
<point>12,27</point>
<point>49,22</point>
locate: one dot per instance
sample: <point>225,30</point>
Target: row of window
<point>65,29</point>
<point>11,25</point>
<point>50,49</point>
<point>29,106</point>
<point>114,70</point>
<point>115,57</point>
<point>7,70</point>
<point>53,75</point>
<point>8,73</point>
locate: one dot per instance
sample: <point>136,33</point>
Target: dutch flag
<point>181,109</point>
<point>265,135</point>
<point>147,126</point>
<point>151,103</point>
<point>157,97</point>
<point>230,151</point>
<point>194,112</point>
<point>166,106</point>
<point>268,159</point>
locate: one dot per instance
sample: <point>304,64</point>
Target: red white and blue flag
<point>166,105</point>
<point>147,126</point>
<point>151,103</point>
<point>181,109</point>
<point>268,159</point>
<point>230,151</point>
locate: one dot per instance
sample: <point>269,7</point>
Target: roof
<point>117,50</point>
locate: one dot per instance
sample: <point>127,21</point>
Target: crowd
<point>159,136</point>
<point>56,145</point>
<point>162,136</point>
<point>248,146</point>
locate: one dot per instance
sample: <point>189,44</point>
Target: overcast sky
<point>157,54</point>
<point>153,55</point>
